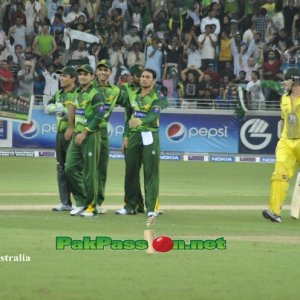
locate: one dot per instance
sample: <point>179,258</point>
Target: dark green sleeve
<point>122,98</point>
<point>98,113</point>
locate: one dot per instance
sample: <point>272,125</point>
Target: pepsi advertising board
<point>259,134</point>
<point>199,133</point>
<point>39,133</point>
<point>178,132</point>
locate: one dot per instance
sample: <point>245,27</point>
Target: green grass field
<point>260,261</point>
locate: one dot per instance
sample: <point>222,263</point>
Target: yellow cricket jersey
<point>290,113</point>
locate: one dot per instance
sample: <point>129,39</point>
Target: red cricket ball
<point>163,244</point>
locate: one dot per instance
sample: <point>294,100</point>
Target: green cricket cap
<point>136,69</point>
<point>106,63</point>
<point>85,68</point>
<point>68,71</point>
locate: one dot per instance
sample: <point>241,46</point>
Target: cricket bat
<point>295,204</point>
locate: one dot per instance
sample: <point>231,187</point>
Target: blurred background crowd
<point>206,53</point>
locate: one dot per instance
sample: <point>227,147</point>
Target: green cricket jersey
<point>147,109</point>
<point>111,95</point>
<point>65,99</point>
<point>89,109</point>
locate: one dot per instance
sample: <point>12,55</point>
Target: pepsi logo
<point>29,131</point>
<point>176,132</point>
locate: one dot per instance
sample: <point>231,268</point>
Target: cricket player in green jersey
<point>84,150</point>
<point>59,105</point>
<point>143,146</point>
<point>111,96</point>
<point>131,89</point>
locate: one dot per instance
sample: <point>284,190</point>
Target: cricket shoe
<point>124,211</point>
<point>100,210</point>
<point>87,214</point>
<point>62,207</point>
<point>268,214</point>
<point>76,211</point>
<point>151,218</point>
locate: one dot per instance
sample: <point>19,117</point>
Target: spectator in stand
<point>122,4</point>
<point>19,13</point>
<point>58,60</point>
<point>81,25</point>
<point>241,53</point>
<point>241,80</point>
<point>116,59</point>
<point>207,42</point>
<point>32,9</point>
<point>51,81</point>
<point>154,57</point>
<point>175,22</point>
<point>271,71</point>
<point>57,24</point>
<point>210,19</point>
<point>6,78</point>
<point>270,6</point>
<point>130,39</point>
<point>249,67</point>
<point>226,98</point>
<point>231,7</point>
<point>72,16</point>
<point>255,96</point>
<point>225,50</point>
<point>193,53</point>
<point>25,77</point>
<point>15,67</point>
<point>135,56</point>
<point>44,44</point>
<point>61,47</point>
<point>289,12</point>
<point>81,51</point>
<point>18,33</point>
<point>116,21</point>
<point>261,22</point>
<point>191,22</point>
<point>52,7</point>
<point>191,78</point>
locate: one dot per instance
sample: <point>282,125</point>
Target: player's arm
<point>71,121</point>
<point>98,113</point>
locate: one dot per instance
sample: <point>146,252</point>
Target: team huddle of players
<point>83,106</point>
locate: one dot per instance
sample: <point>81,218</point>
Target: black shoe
<point>268,214</point>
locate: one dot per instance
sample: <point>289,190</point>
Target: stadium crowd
<point>206,53</point>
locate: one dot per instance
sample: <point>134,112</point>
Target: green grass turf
<point>257,264</point>
<point>181,182</point>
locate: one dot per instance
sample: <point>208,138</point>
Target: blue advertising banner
<point>3,130</point>
<point>199,133</point>
<point>178,132</point>
<point>39,133</point>
<point>187,132</point>
<point>259,134</point>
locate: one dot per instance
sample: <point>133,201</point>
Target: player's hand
<point>68,133</point>
<point>79,138</point>
<point>135,122</point>
<point>124,145</point>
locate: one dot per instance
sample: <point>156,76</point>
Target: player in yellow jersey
<point>288,147</point>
